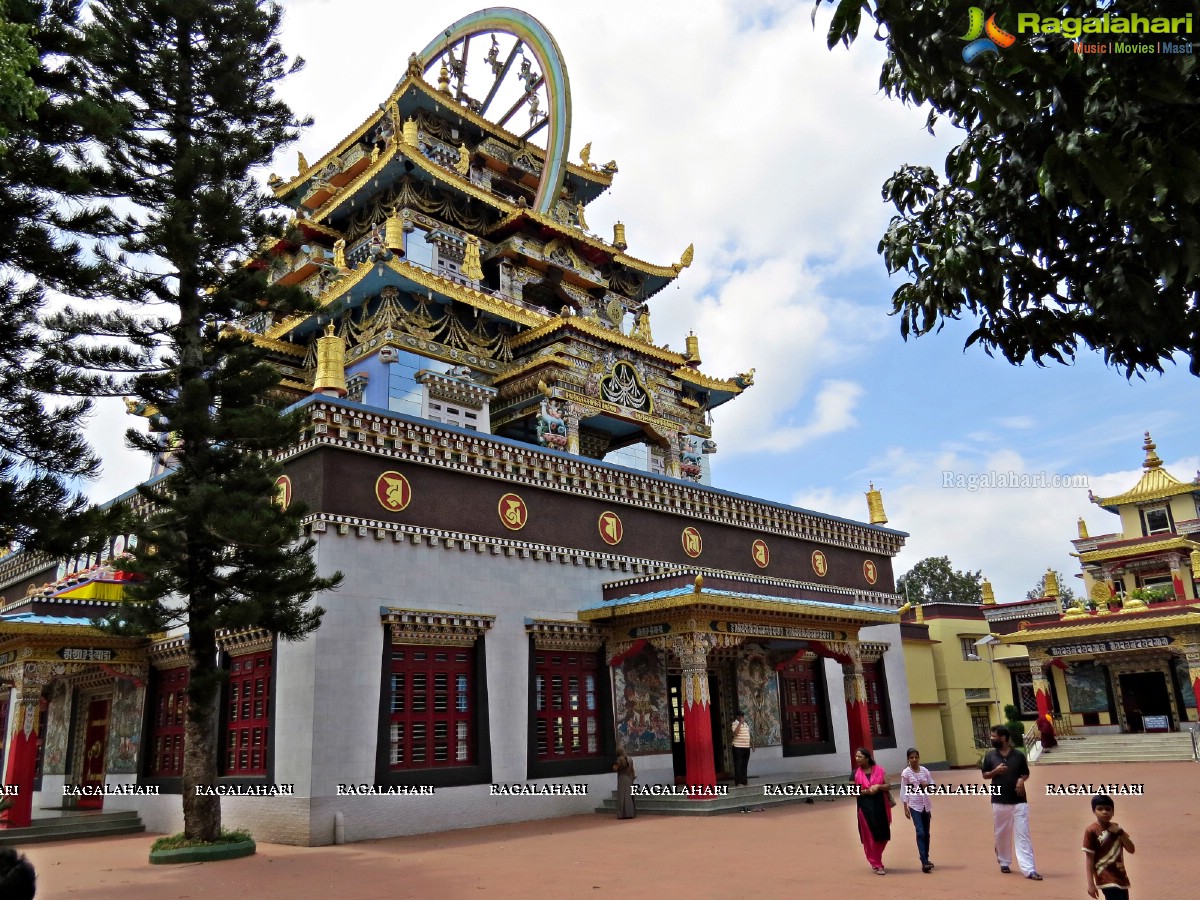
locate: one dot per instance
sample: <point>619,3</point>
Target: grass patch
<point>179,842</point>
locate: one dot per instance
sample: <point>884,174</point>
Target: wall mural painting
<point>1086,689</point>
<point>125,727</point>
<point>758,696</point>
<point>58,726</point>
<point>1185,686</point>
<point>640,688</point>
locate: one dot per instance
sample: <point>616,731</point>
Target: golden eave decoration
<point>1156,482</point>
<point>1106,625</point>
<point>498,307</point>
<point>579,323</point>
<point>411,81</point>
<point>799,610</point>
<point>1174,543</point>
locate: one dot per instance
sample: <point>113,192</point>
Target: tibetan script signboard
<point>1145,643</point>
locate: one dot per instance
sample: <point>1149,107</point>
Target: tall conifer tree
<point>46,187</point>
<point>190,85</point>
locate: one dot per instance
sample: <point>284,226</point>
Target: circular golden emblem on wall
<point>611,529</point>
<point>693,544</point>
<point>761,554</point>
<point>283,496</point>
<point>819,563</point>
<point>870,571</point>
<point>393,491</point>
<point>513,512</point>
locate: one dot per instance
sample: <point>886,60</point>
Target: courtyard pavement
<point>809,851</point>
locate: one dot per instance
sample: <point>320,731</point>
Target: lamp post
<point>989,641</point>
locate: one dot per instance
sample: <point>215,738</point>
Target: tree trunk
<point>201,814</point>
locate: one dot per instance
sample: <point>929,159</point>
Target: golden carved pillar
<point>855,685</point>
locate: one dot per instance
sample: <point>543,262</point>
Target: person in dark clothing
<point>1008,770</point>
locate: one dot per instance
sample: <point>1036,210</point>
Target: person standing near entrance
<point>626,774</point>
<point>1008,770</point>
<point>741,748</point>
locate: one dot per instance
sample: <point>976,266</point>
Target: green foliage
<point>47,191</point>
<point>934,580</point>
<point>1012,712</point>
<point>1152,595</point>
<point>181,840</point>
<point>1069,216</point>
<point>188,93</point>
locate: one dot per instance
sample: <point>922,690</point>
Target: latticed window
<point>566,718</point>
<point>876,685</point>
<point>169,711</point>
<point>803,703</point>
<point>1025,694</point>
<point>431,706</point>
<point>247,725</point>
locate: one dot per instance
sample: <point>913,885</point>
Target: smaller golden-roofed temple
<point>1125,655</point>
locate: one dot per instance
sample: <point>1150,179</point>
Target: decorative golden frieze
<point>568,636</point>
<point>872,651</point>
<point>444,629</point>
<point>1107,625</point>
<point>248,640</point>
<point>1174,543</point>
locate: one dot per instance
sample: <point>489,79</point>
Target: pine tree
<point>190,89</point>
<point>46,185</point>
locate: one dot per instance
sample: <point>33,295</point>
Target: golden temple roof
<point>1113,623</point>
<point>1156,483</point>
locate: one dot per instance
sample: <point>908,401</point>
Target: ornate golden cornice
<point>261,340</point>
<point>244,641</point>
<point>1114,623</point>
<point>418,626</point>
<point>570,636</point>
<point>691,376</point>
<point>795,609</point>
<point>1174,543</point>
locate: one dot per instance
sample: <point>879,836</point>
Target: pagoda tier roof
<point>522,219</point>
<point>1156,483</point>
<point>413,93</point>
<point>371,276</point>
<point>1138,547</point>
<point>1154,618</point>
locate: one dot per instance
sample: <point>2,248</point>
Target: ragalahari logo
<point>977,43</point>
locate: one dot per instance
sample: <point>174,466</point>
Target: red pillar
<point>22,762</point>
<point>857,720</point>
<point>697,725</point>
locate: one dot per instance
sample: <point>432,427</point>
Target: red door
<point>94,752</point>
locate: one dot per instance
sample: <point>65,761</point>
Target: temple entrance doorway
<point>678,733</point>
<point>1146,701</point>
<point>95,751</point>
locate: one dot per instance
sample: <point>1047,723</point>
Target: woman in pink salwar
<point>874,813</point>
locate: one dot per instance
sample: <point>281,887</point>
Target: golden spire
<point>1152,460</point>
<point>693,350</point>
<point>1195,561</point>
<point>471,267</point>
<point>1082,528</point>
<point>875,507</point>
<point>920,614</point>
<point>463,166</point>
<point>331,364</point>
<point>989,596</point>
<point>619,237</point>
<point>1050,584</point>
<point>444,78</point>
<point>410,132</point>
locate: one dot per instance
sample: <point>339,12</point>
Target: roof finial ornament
<point>619,237</point>
<point>875,506</point>
<point>1152,460</point>
<point>1083,532</point>
<point>301,162</point>
<point>988,595</point>
<point>1050,584</point>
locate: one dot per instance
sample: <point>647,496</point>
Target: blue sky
<point>737,130</point>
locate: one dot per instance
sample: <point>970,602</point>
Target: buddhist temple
<point>513,472</point>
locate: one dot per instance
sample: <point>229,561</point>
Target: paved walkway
<point>809,851</point>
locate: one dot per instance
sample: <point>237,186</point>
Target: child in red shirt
<point>1105,843</point>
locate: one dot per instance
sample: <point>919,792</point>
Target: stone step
<point>73,825</point>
